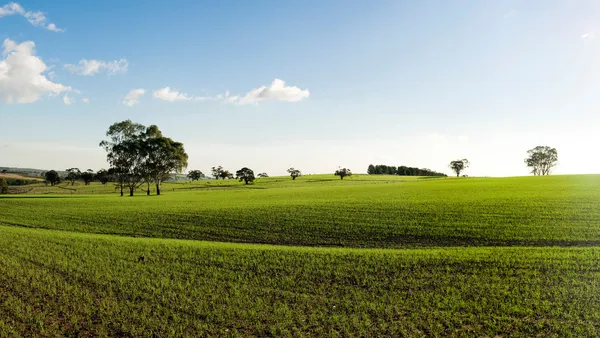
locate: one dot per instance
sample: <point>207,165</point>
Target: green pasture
<point>366,256</point>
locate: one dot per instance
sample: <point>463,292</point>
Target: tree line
<point>382,169</point>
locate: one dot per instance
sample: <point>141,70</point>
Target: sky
<point>314,85</point>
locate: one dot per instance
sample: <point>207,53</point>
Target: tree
<point>102,176</point>
<point>125,153</point>
<point>541,160</point>
<point>371,169</point>
<point>195,175</point>
<point>73,174</point>
<point>88,176</point>
<point>216,172</point>
<point>163,156</point>
<point>459,166</point>
<point>3,186</point>
<point>262,175</point>
<point>245,174</point>
<point>343,173</point>
<point>225,174</point>
<point>52,177</point>
<point>294,173</point>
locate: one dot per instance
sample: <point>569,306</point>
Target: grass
<point>367,256</point>
<point>560,210</point>
<point>59,283</point>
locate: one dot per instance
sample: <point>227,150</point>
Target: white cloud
<point>91,67</point>
<point>276,91</point>
<point>131,99</point>
<point>67,100</point>
<point>36,18</point>
<point>22,74</point>
<point>588,35</point>
<point>168,94</point>
<point>85,100</point>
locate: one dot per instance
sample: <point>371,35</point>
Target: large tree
<point>459,166</point>
<point>88,176</point>
<point>195,175</point>
<point>294,173</point>
<point>541,160</point>
<point>73,174</point>
<point>163,156</point>
<point>125,153</point>
<point>216,172</point>
<point>52,177</point>
<point>343,172</point>
<point>245,174</point>
<point>102,176</point>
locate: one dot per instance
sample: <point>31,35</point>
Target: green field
<point>366,256</point>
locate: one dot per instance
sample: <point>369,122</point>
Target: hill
<point>318,256</point>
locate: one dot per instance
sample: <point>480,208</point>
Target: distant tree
<point>262,175</point>
<point>73,174</point>
<point>216,172</point>
<point>541,160</point>
<point>125,153</point>
<point>162,156</point>
<point>4,171</point>
<point>3,186</point>
<point>88,176</point>
<point>195,175</point>
<point>343,173</point>
<point>52,177</point>
<point>245,174</point>
<point>459,166</point>
<point>102,176</point>
<point>225,174</point>
<point>294,173</point>
<point>371,169</point>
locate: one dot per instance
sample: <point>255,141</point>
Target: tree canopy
<point>294,173</point>
<point>245,174</point>
<point>541,160</point>
<point>343,173</point>
<point>195,175</point>
<point>459,166</point>
<point>52,177</point>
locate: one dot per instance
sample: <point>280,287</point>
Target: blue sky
<point>389,82</point>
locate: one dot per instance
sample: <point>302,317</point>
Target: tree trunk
<point>341,177</point>
<point>158,188</point>
<point>293,178</point>
<point>121,190</point>
<point>131,191</point>
<point>148,191</point>
<point>457,174</point>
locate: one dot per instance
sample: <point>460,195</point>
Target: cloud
<point>168,94</point>
<point>22,78</point>
<point>91,67</point>
<point>131,99</point>
<point>67,100</point>
<point>85,100</point>
<point>36,18</point>
<point>276,91</point>
<point>588,36</point>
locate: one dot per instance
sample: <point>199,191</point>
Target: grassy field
<point>416,257</point>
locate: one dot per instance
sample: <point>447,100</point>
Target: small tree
<point>102,176</point>
<point>52,177</point>
<point>459,166</point>
<point>225,174</point>
<point>195,175</point>
<point>262,175</point>
<point>216,172</point>
<point>73,174</point>
<point>245,174</point>
<point>343,173</point>
<point>294,173</point>
<point>541,160</point>
<point>87,176</point>
<point>3,186</point>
